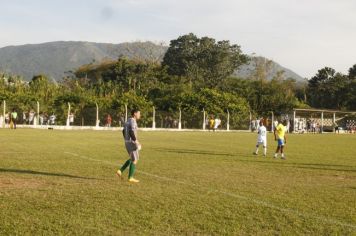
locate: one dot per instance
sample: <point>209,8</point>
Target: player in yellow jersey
<point>280,137</point>
<point>211,123</point>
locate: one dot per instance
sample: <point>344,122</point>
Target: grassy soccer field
<point>64,183</point>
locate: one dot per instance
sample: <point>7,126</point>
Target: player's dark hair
<point>133,111</point>
<point>261,122</point>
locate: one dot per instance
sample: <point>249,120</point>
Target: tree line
<point>196,74</point>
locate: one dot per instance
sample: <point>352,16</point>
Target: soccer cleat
<point>132,180</point>
<point>264,155</point>
<point>275,156</point>
<point>255,153</point>
<point>119,173</point>
<point>283,157</point>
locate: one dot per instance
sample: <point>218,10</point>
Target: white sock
<point>264,151</point>
<point>282,154</point>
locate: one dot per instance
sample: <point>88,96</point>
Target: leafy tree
<point>351,96</point>
<point>264,96</point>
<point>203,60</point>
<point>215,102</point>
<point>318,87</point>
<point>352,72</point>
<point>328,89</point>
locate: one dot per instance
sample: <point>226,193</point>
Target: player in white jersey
<point>261,139</point>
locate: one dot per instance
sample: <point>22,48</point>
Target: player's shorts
<point>135,156</point>
<point>262,142</point>
<point>132,150</point>
<point>280,142</point>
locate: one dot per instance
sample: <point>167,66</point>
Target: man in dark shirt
<point>132,145</point>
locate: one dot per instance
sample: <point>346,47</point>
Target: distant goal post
<point>324,119</point>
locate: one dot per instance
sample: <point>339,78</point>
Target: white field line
<point>237,196</point>
<point>17,152</point>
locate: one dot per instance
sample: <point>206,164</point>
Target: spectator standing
<point>108,120</point>
<point>13,118</point>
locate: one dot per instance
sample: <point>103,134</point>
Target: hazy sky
<point>303,35</point>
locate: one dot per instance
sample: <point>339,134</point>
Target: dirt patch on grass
<point>10,182</point>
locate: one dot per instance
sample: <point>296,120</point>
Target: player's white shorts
<point>262,142</point>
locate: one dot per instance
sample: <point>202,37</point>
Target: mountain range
<point>55,59</point>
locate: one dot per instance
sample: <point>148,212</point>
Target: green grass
<point>63,183</point>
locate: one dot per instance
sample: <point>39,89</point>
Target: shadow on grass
<point>267,161</point>
<point>32,172</point>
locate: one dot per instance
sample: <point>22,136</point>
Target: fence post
<point>97,115</point>
<point>38,114</point>
<point>154,118</point>
<point>4,113</point>
<point>180,119</point>
<point>204,119</point>
<point>228,121</point>
<point>294,115</point>
<point>250,127</point>
<point>272,126</point>
<point>67,123</point>
<point>322,122</point>
<point>334,118</point>
<point>125,112</point>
